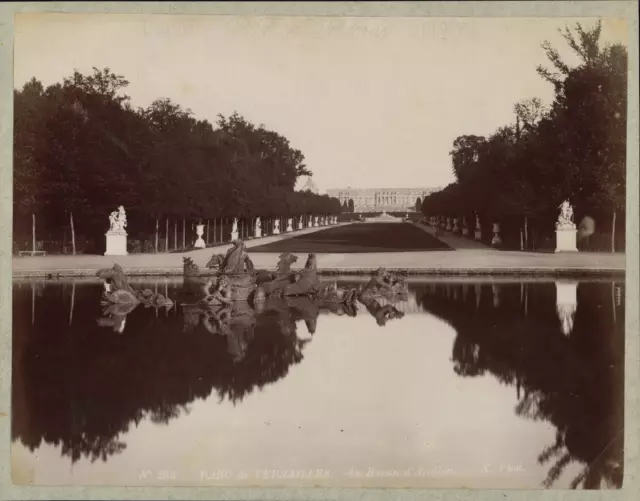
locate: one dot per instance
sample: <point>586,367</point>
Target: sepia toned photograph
<point>319,251</point>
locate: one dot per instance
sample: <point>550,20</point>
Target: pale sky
<point>371,102</point>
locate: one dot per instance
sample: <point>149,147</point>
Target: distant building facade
<point>381,199</point>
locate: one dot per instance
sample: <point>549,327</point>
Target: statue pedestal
<point>258,233</point>
<point>116,244</point>
<point>478,235</point>
<point>290,226</point>
<point>566,240</point>
<point>234,235</point>
<point>465,232</point>
<point>276,231</point>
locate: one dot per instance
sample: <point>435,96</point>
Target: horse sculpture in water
<point>243,282</point>
<point>223,298</point>
<point>118,291</point>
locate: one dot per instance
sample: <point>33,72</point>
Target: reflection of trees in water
<point>575,382</point>
<point>81,386</point>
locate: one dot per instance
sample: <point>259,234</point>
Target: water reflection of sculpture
<point>155,373</point>
<point>383,284</point>
<point>110,382</point>
<point>574,382</point>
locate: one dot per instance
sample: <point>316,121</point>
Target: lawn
<point>359,237</point>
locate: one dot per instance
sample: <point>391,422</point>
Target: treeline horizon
<point>81,149</point>
<point>574,149</point>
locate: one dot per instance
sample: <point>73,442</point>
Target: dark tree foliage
<point>82,148</point>
<point>575,149</point>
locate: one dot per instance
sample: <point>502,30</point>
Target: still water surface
<point>480,384</point>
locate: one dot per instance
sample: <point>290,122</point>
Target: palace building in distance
<point>381,199</point>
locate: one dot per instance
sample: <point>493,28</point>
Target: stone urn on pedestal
<point>276,227</point>
<point>199,243</point>
<point>478,231</point>
<point>566,229</point>
<point>315,221</point>
<point>496,240</point>
<point>117,235</point>
<point>289,224</point>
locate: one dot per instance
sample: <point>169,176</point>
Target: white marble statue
<point>290,224</point>
<point>258,230</point>
<point>566,231</point>
<point>301,225</point>
<point>118,221</point>
<point>565,218</point>
<point>234,229</point>
<point>117,234</point>
<point>276,227</point>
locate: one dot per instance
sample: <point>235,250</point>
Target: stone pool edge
<point>453,272</point>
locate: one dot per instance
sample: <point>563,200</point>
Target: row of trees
<point>81,149</point>
<point>574,149</point>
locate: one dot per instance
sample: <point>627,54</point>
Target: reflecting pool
<point>480,384</point>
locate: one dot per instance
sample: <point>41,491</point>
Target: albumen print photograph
<point>319,251</point>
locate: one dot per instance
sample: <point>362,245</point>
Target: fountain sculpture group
<point>235,282</point>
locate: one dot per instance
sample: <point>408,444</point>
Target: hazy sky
<point>371,102</point>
